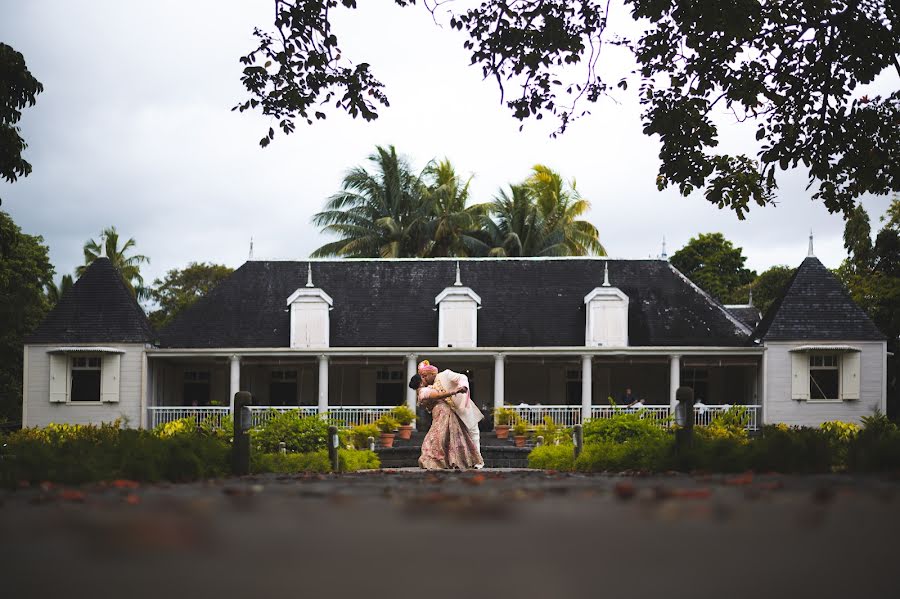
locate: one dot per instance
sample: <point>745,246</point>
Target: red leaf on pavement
<point>132,499</point>
<point>624,490</point>
<point>744,479</point>
<point>71,495</point>
<point>475,480</point>
<point>122,483</point>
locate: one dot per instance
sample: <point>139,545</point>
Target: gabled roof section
<point>390,303</point>
<point>747,314</point>
<point>98,308</point>
<point>814,305</point>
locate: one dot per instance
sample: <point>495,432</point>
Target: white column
<point>410,371</point>
<point>586,387</point>
<point>498,380</point>
<point>235,385</point>
<point>674,380</point>
<point>323,384</point>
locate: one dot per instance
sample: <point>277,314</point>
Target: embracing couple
<point>453,440</point>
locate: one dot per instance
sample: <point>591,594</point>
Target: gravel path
<point>475,534</point>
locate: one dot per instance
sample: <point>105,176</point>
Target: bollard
<point>578,439</point>
<point>333,442</point>
<point>539,441</point>
<point>684,418</point>
<point>371,442</point>
<point>240,450</point>
<point>282,447</point>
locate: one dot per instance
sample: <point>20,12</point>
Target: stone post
<point>240,450</point>
<point>333,442</point>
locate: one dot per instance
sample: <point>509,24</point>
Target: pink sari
<point>447,444</point>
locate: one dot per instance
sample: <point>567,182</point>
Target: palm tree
<point>128,266</point>
<point>55,293</point>
<point>512,229</point>
<point>560,209</point>
<point>453,227</point>
<point>380,214</point>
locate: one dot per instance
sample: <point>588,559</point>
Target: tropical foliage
<point>393,212</point>
<point>714,265</point>
<point>25,271</point>
<point>180,288</point>
<point>56,292</point>
<point>128,265</point>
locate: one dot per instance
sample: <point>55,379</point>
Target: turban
<point>425,367</point>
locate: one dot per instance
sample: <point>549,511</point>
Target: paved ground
<point>474,534</point>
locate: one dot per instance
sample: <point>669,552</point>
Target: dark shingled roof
<point>390,303</point>
<point>814,305</point>
<point>749,315</point>
<point>99,308</point>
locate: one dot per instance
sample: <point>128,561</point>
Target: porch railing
<point>658,413</point>
<point>563,415</point>
<point>157,415</point>
<point>262,414</point>
<point>349,416</point>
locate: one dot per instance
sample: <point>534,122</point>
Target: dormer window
<point>457,315</point>
<point>606,316</point>
<point>309,316</point>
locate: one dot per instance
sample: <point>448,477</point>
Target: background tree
<point>789,69</point>
<point>560,207</point>
<point>714,265</point>
<point>452,226</point>
<point>766,288</point>
<point>180,288</point>
<point>55,293</point>
<point>18,89</point>
<point>25,271</point>
<point>377,214</point>
<point>871,274</point>
<point>129,266</point>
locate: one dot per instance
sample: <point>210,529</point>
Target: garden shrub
<point>359,435</point>
<point>553,433</point>
<point>876,447</point>
<point>653,453</point>
<point>623,427</point>
<point>552,457</point>
<point>300,434</point>
<point>313,461</point>
<point>780,448</point>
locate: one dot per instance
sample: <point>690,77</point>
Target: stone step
<point>494,456</point>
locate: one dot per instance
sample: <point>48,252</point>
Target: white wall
<point>40,412</point>
<point>780,408</point>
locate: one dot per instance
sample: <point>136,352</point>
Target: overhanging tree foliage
<point>18,89</point>
<point>790,69</point>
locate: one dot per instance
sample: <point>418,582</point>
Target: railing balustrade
<point>350,416</point>
<point>157,415</point>
<point>562,415</point>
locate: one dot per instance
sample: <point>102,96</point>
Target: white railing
<point>349,416</point>
<point>562,415</point>
<point>157,415</point>
<point>703,415</point>
<point>657,413</point>
<point>262,414</point>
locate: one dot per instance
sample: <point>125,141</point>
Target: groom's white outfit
<point>463,405</point>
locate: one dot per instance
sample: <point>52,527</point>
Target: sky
<point>135,129</point>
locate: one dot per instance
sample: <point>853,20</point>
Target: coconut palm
<point>378,214</point>
<point>513,227</point>
<point>128,266</point>
<point>453,227</point>
<point>560,208</point>
<point>55,293</point>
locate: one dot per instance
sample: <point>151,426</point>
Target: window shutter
<point>109,378</point>
<point>799,376</point>
<point>850,375</point>
<point>59,378</point>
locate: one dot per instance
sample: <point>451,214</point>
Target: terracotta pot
<point>520,440</point>
<point>405,432</point>
<point>387,439</point>
<point>502,431</point>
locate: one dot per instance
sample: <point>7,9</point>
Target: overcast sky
<point>134,129</point>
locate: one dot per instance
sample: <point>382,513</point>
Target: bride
<point>448,444</point>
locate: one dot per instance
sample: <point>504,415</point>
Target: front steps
<point>496,453</point>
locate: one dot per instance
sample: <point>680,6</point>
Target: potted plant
<point>404,416</point>
<point>387,424</point>
<point>503,418</point>
<point>520,429</point>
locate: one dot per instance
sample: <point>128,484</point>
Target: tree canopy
<point>18,89</point>
<point>128,265</point>
<point>25,270</point>
<point>180,288</point>
<point>714,265</point>
<point>391,211</point>
<point>791,70</point>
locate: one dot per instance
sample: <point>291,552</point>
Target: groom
<point>463,405</point>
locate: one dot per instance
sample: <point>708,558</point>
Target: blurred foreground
<point>475,534</point>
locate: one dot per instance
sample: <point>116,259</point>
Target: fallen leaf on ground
<point>132,499</point>
<point>122,483</point>
<point>71,495</point>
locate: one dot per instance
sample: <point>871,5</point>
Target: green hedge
<point>80,454</point>
<point>313,461</point>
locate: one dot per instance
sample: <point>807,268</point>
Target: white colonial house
<point>554,336</point>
